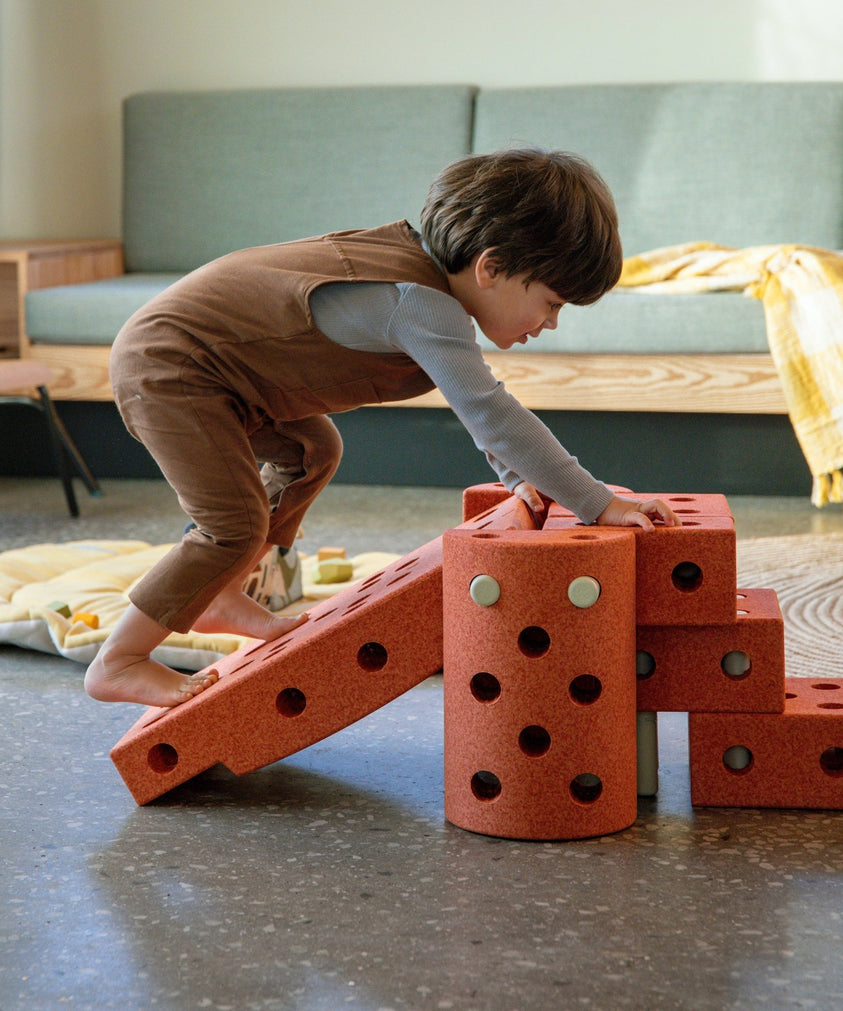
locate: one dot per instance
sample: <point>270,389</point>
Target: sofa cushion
<point>210,172</point>
<point>89,313</point>
<point>628,322</point>
<point>739,164</point>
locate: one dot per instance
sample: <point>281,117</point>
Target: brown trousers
<point>196,432</point>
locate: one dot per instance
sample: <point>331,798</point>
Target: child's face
<point>511,311</point>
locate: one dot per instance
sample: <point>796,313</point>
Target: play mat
<point>65,598</point>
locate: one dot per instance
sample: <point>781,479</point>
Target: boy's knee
<point>325,452</point>
<point>236,540</point>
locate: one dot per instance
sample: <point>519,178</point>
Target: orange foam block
<point>684,575</point>
<point>479,498</point>
<point>359,650</point>
<point>690,505</point>
<point>539,682</point>
<point>732,667</point>
<point>790,760</point>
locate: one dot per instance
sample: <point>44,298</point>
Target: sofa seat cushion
<point>622,322</point>
<point>628,322</point>
<point>89,313</point>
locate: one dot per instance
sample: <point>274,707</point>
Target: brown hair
<point>546,214</point>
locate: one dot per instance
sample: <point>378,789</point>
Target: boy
<point>243,359</point>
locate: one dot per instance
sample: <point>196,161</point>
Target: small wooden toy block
<point>358,650</point>
<point>539,685</point>
<point>733,667</point>
<point>790,760</point>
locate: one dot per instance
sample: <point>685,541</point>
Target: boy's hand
<point>622,512</point>
<point>528,494</point>
<point>533,501</point>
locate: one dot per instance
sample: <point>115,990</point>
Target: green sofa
<point>734,163</point>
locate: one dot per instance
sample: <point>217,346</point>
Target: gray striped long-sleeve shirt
<point>436,332</point>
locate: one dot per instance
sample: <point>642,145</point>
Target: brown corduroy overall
<point>225,368</point>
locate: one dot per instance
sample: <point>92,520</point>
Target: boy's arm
<point>434,330</point>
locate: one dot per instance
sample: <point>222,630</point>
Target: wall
<point>65,66</point>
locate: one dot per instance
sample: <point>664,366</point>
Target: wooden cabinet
<point>46,263</point>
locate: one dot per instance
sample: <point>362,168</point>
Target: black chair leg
<point>61,458</point>
<point>69,445</point>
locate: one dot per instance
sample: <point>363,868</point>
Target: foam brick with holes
<point>684,575</point>
<point>793,759</point>
<point>733,667</point>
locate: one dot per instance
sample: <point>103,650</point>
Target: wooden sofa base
<point>664,383</point>
<point>691,384</point>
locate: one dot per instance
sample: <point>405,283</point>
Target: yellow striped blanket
<point>801,289</point>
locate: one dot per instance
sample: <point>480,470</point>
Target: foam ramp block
<point>734,667</point>
<point>481,497</point>
<point>359,650</point>
<point>539,682</point>
<point>790,760</point>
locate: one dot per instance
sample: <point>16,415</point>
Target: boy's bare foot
<point>122,671</point>
<point>235,612</point>
<point>144,681</point>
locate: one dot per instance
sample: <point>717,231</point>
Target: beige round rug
<point>806,571</point>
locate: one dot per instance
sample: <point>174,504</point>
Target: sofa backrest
<point>738,164</point>
<point>209,172</point>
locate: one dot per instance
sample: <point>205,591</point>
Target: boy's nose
<point>552,320</point>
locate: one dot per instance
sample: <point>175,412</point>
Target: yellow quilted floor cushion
<point>66,598</point>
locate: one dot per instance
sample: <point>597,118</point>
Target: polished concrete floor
<point>332,879</point>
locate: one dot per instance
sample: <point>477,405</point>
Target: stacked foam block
<point>560,643</point>
<point>716,651</point>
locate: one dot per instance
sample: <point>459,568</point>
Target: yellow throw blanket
<point>801,289</point>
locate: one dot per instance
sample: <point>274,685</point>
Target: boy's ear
<point>486,269</point>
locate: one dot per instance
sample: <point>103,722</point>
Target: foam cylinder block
<point>359,650</point>
<point>539,686</point>
<point>734,667</point>
<point>684,575</point>
<point>790,760</point>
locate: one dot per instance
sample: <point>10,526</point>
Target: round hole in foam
<point>162,758</point>
<point>533,641</point>
<point>485,687</point>
<point>372,656</point>
<point>831,761</point>
<point>485,785</point>
<point>291,702</point>
<point>586,787</point>
<point>534,741</point>
<point>687,577</point>
<point>585,689</point>
<point>736,664</point>
<point>645,665</point>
